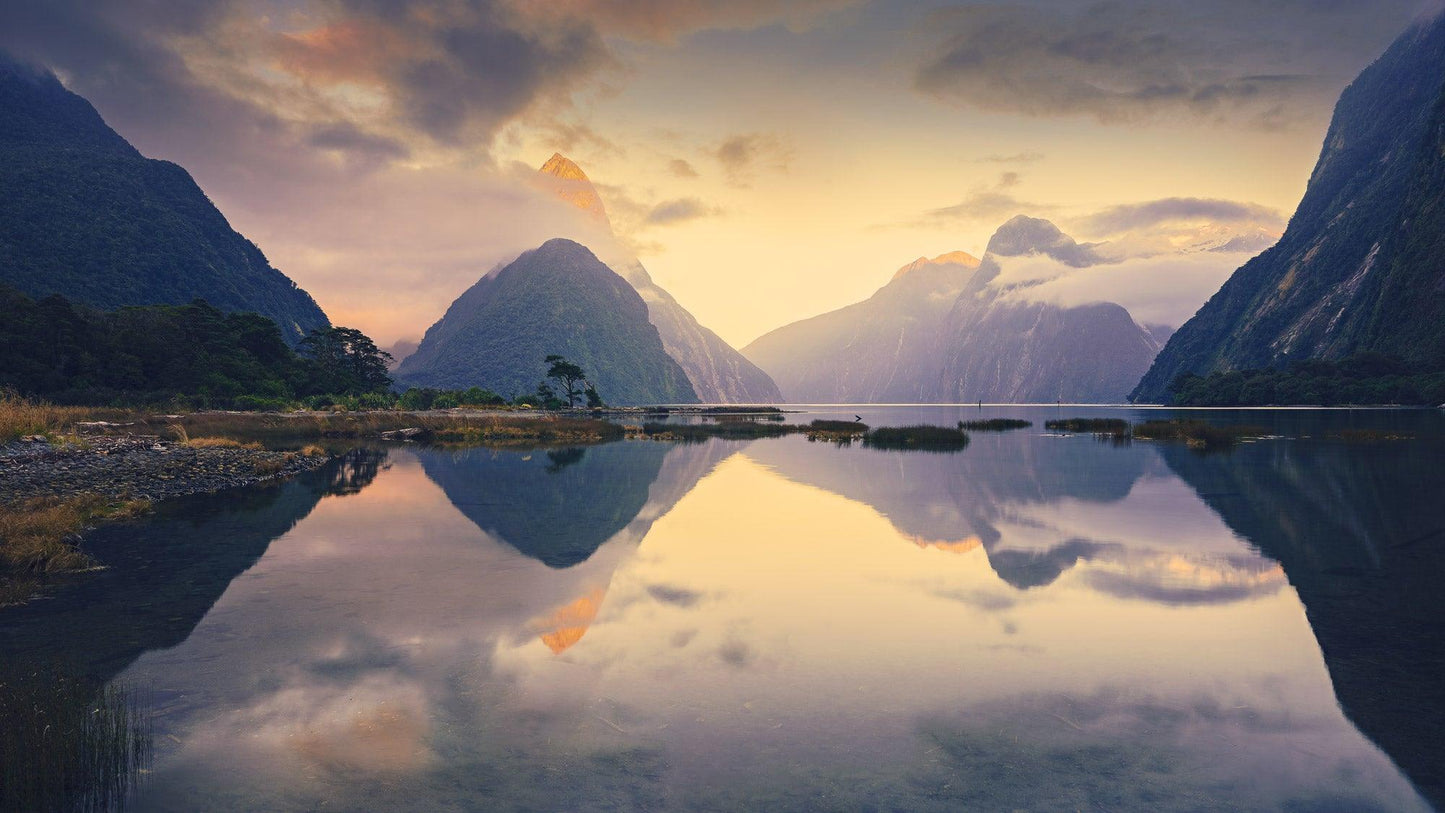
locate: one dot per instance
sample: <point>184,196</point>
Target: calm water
<point>1037,622</point>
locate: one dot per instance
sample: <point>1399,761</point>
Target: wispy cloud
<point>680,210</point>
<point>1259,64</point>
<point>1133,216</point>
<point>742,156</point>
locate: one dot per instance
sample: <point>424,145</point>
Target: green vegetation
<point>1358,268</point>
<point>1363,378</point>
<point>85,215</point>
<point>187,356</point>
<point>994,425</point>
<point>921,438</point>
<point>558,299</point>
<point>1100,426</point>
<point>1196,434</point>
<point>728,430</point>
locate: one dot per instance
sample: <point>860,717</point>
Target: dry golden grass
<point>277,428</point>
<point>222,443</point>
<point>312,450</point>
<point>20,417</point>
<point>38,535</point>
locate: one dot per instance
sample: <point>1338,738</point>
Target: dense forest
<point>1363,378</point>
<point>86,216</point>
<point>186,355</point>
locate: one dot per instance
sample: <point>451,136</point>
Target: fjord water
<point>1037,622</point>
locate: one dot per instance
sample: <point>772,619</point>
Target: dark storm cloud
<point>1132,216</point>
<point>1124,60</point>
<point>474,69</point>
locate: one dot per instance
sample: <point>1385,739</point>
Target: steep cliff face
<point>1001,346</point>
<point>84,215</point>
<point>881,350</point>
<point>558,298</point>
<point>1358,532</point>
<point>1359,268</point>
<point>717,372</point>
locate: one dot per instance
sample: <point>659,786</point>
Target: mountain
<point>1358,268</point>
<point>85,215</point>
<point>1357,530</point>
<point>1002,346</point>
<point>957,330</point>
<point>881,350</point>
<point>558,298</point>
<point>717,372</point>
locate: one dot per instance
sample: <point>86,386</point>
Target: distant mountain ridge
<point>85,215</point>
<point>1359,268</point>
<point>557,298</point>
<point>881,350</point>
<point>955,330</point>
<point>1003,347</point>
<point>718,373</point>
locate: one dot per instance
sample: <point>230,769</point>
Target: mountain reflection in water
<point>1037,622</point>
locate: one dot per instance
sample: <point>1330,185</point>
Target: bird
<point>858,418</point>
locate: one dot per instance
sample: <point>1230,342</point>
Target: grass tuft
<point>1099,426</point>
<point>22,417</point>
<point>1197,434</point>
<point>994,425</point>
<point>39,535</point>
<point>222,443</point>
<point>921,438</point>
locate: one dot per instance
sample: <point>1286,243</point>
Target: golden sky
<point>767,160</point>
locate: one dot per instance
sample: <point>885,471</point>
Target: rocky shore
<point>137,467</point>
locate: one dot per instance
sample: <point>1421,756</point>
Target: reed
<point>66,745</point>
<point>994,425</point>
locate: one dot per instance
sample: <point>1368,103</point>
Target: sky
<point>767,161</point>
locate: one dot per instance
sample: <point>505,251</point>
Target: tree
<point>347,361</point>
<point>569,377</point>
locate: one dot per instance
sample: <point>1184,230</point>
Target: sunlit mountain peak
<point>962,258</point>
<point>567,181</point>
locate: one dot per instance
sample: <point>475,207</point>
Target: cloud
<point>1028,157</point>
<point>988,203</point>
<point>678,211</point>
<point>667,20</point>
<point>677,596</point>
<point>1163,289</point>
<point>679,168</point>
<point>741,156</point>
<point>1126,60</point>
<point>1134,216</point>
<point>453,71</point>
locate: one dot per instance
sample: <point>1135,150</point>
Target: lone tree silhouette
<point>569,377</point>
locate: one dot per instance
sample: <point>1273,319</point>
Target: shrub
<point>994,425</point>
<point>920,437</point>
